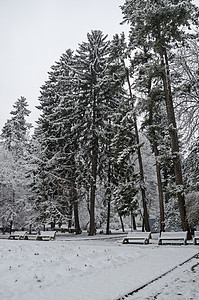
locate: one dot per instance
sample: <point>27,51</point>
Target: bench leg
<point>125,241</point>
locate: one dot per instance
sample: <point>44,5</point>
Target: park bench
<point>196,237</point>
<point>46,235</point>
<point>18,235</point>
<point>64,229</point>
<point>137,237</point>
<point>173,236</point>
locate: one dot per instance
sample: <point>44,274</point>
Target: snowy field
<point>77,268</point>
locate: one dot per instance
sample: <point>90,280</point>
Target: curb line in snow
<point>157,278</point>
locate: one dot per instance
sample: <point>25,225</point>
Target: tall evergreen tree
<point>159,25</point>
<point>57,169</point>
<point>147,83</point>
<point>75,129</point>
<point>119,51</point>
<point>95,102</point>
<point>16,129</point>
<point>191,168</point>
<point>125,180</point>
<point>13,152</point>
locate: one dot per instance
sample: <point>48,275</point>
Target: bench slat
<point>196,237</point>
<point>50,235</point>
<point>174,235</point>
<point>137,236</point>
<point>20,235</point>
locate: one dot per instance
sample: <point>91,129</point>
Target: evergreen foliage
<point>191,168</point>
<point>15,207</point>
<point>79,128</point>
<point>54,177</point>
<point>86,150</point>
<point>16,129</point>
<point>125,179</point>
<point>159,26</point>
<point>192,204</point>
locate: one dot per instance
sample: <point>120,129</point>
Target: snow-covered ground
<point>78,268</point>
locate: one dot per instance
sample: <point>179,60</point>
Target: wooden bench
<point>137,237</point>
<point>196,237</point>
<point>18,235</point>
<point>173,236</point>
<point>31,236</point>
<point>64,229</point>
<point>46,235</point>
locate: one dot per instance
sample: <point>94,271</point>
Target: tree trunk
<point>70,215</point>
<point>76,212</point>
<point>145,212</point>
<point>143,225</point>
<point>109,200</point>
<point>76,216</point>
<point>160,190</point>
<point>173,138</point>
<point>122,224</point>
<point>94,157</point>
<point>92,229</point>
<point>166,180</point>
<point>133,221</point>
<point>30,229</point>
<point>156,152</point>
<point>144,203</point>
<point>108,216</point>
<point>11,224</point>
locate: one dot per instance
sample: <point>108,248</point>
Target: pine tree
<point>150,104</point>
<point>16,129</point>
<point>160,25</point>
<point>191,168</point>
<point>119,51</point>
<point>57,169</point>
<point>95,96</point>
<point>125,180</point>
<point>191,176</point>
<point>74,130</point>
<point>192,205</point>
<point>116,85</point>
<point>13,152</point>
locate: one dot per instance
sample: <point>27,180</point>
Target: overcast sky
<point>34,34</point>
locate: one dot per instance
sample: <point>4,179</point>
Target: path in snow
<point>182,283</point>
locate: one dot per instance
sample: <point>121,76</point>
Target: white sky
<point>34,34</point>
